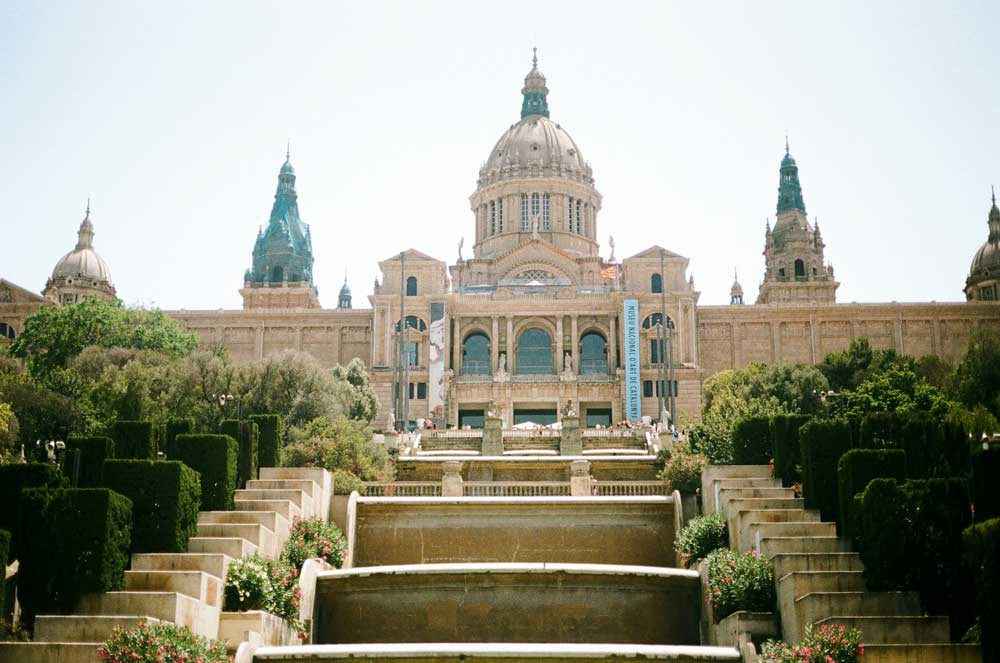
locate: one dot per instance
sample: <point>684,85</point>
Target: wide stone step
<point>83,628</point>
<point>896,630</point>
<point>801,583</point>
<point>285,508</point>
<point>727,494</point>
<point>48,652</point>
<point>258,535</point>
<point>752,532</point>
<point>311,488</point>
<point>298,497</point>
<point>733,506</point>
<point>229,546</point>
<point>214,564</point>
<point>772,545</point>
<point>933,653</point>
<point>491,652</point>
<point>317,475</point>
<point>165,606</point>
<point>738,524</point>
<point>786,563</point>
<point>197,585</point>
<point>272,520</point>
<point>819,605</point>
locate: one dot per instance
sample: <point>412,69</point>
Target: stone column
<point>579,478</point>
<point>495,346</point>
<point>612,344</point>
<point>451,482</point>
<point>458,346</point>
<point>492,436</point>
<point>575,330</point>
<point>510,344</point>
<point>570,442</point>
<point>258,349</point>
<point>559,342</point>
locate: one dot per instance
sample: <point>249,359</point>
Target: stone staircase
<point>819,578</point>
<point>183,588</point>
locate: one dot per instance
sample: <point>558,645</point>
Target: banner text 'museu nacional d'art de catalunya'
<point>633,406</point>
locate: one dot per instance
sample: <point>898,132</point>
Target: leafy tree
<point>935,371</point>
<point>338,444</point>
<point>41,414</point>
<point>977,377</point>
<point>8,429</point>
<point>895,389</point>
<point>851,367</point>
<point>55,334</point>
<point>362,402</point>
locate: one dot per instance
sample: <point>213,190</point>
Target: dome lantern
<point>534,91</point>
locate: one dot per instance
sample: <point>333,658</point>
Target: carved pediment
<point>537,261</point>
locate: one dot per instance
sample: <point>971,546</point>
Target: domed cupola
<point>736,291</point>
<point>81,272</point>
<point>344,299</point>
<point>535,172</point>
<point>983,283</point>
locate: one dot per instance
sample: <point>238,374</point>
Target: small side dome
<point>984,273</point>
<point>736,291</point>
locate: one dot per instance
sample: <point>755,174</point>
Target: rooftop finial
<point>992,191</point>
<point>786,142</point>
<point>534,57</point>
<point>288,150</point>
<point>88,205</point>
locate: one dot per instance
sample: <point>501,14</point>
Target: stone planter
<point>689,504</point>
<point>728,631</point>
<point>236,627</point>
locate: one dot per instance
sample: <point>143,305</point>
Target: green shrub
<point>981,543</point>
<point>822,644</point>
<point>986,483</point>
<point>34,553</point>
<point>822,443</point>
<point>92,453</point>
<point>700,537</point>
<point>313,537</point>
<point>162,641</point>
<point>857,468</point>
<point>174,427</point>
<point>934,448</point>
<point>214,457</point>
<point>245,434</point>
<point>882,430</point>
<point>785,447</point>
<point>261,583</point>
<point>4,552</point>
<point>752,441</point>
<point>270,429</point>
<point>15,478</point>
<point>345,483</point>
<point>683,469</point>
<point>166,495</point>
<point>339,443</point>
<point>134,439</point>
<point>739,581</point>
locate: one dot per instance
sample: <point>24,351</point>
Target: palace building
<point>535,319</point>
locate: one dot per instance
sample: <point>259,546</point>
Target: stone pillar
<point>451,482</point>
<point>258,349</point>
<point>495,346</point>
<point>612,344</point>
<point>559,343</point>
<point>575,330</point>
<point>458,346</point>
<point>492,436</point>
<point>570,442</point>
<point>510,344</point>
<point>579,478</point>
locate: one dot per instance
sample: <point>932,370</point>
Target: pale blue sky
<point>173,117</point>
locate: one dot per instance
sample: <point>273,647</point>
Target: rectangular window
<point>524,213</point>
<point>579,206</point>
<point>661,391</point>
<point>421,391</point>
<point>569,215</point>
<point>545,212</point>
<point>500,215</point>
<point>655,347</point>
<point>647,388</point>
<point>534,207</point>
<point>411,352</point>
<point>493,217</point>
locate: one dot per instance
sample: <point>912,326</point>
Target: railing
<point>530,432</point>
<point>403,489</point>
<point>609,432</point>
<point>516,489</point>
<point>453,434</point>
<point>475,367</point>
<point>593,367</point>
<point>629,488</point>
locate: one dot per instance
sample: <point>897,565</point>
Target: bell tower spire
<point>535,92</point>
<point>789,189</point>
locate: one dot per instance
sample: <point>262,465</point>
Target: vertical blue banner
<point>435,397</point>
<point>633,406</point>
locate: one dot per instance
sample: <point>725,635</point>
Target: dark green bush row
<point>214,457</point>
<point>986,483</point>
<point>4,552</point>
<point>166,496</point>
<point>785,447</point>
<point>92,451</point>
<point>822,443</point>
<point>245,434</point>
<point>906,535</point>
<point>173,428</point>
<point>13,479</point>
<point>134,439</point>
<point>270,428</point>
<point>752,441</point>
<point>856,469</point>
<point>78,543</point>
<point>982,551</point>
<point>933,448</point>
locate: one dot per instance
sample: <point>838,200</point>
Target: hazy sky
<point>173,117</point>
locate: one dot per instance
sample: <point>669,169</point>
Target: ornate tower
<point>281,274</point>
<point>81,272</point>
<point>736,292</point>
<point>795,270</point>
<point>983,283</point>
<point>344,299</point>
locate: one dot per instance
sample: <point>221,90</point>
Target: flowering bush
<point>159,642</point>
<point>312,537</point>
<point>260,583</point>
<point>739,581</point>
<point>828,643</point>
<point>683,469</point>
<point>701,536</point>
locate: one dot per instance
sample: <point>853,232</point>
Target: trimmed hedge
<point>982,551</point>
<point>906,535</point>
<point>784,430</point>
<point>752,441</point>
<point>34,553</point>
<point>857,468</point>
<point>933,448</point>
<point>882,430</point>
<point>134,439</point>
<point>166,496</point>
<point>245,434</point>
<point>214,457</point>
<point>4,552</point>
<point>93,451</point>
<point>822,442</point>
<point>986,483</point>
<point>15,478</point>
<point>174,427</point>
<point>270,428</point>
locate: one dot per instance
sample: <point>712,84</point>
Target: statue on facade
<point>568,409</point>
<point>611,243</point>
<point>461,243</point>
<point>534,226</point>
<point>502,363</point>
<point>568,363</point>
<point>493,410</point>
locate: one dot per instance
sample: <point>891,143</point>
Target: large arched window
<point>411,286</point>
<point>534,352</point>
<point>476,354</point>
<point>413,322</point>
<point>654,319</point>
<point>7,331</point>
<point>800,268</point>
<point>277,274</point>
<point>656,283</point>
<point>593,354</point>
